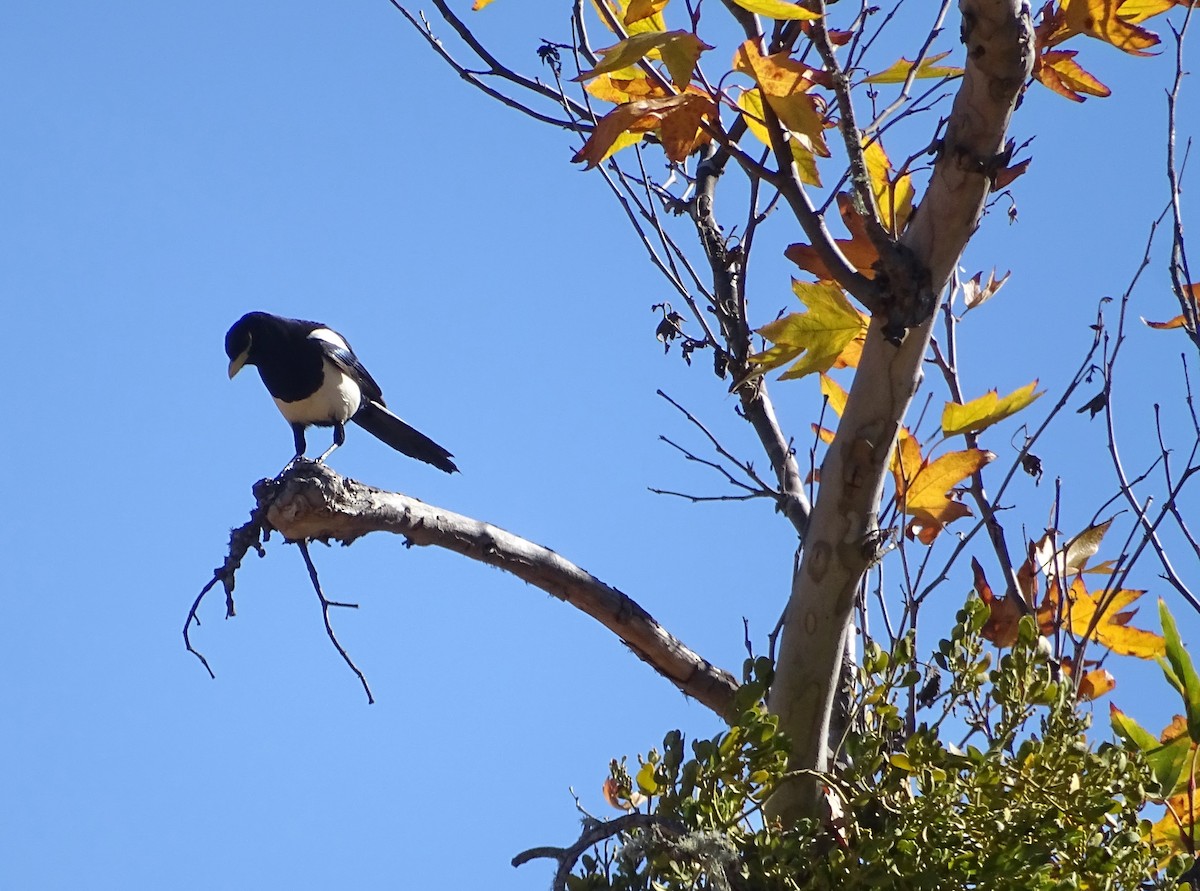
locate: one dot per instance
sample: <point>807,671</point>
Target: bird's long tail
<point>384,425</point>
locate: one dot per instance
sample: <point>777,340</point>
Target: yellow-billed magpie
<point>315,378</point>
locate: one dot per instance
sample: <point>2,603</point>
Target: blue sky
<point>167,167</point>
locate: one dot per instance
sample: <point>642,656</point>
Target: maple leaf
<point>893,195</point>
<point>1004,613</point>
<point>751,105</point>
<point>479,4</point>
<point>642,9</point>
<point>923,488</point>
<point>1100,616</point>
<point>777,9</point>
<point>1101,19</point>
<point>679,50</point>
<point>857,248</point>
<point>619,11</point>
<point>617,90</point>
<point>897,72</point>
<point>1058,70</point>
<point>975,293</point>
<point>785,83</point>
<point>816,338</point>
<point>672,115</point>
<point>979,414</point>
<point>1178,322</point>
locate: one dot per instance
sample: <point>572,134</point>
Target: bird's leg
<point>339,437</point>
<point>298,432</point>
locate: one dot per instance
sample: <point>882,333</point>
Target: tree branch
<point>844,537</point>
<point>310,501</point>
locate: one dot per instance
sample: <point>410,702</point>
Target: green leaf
<point>1184,670</point>
<point>1130,730</point>
<point>1168,763</point>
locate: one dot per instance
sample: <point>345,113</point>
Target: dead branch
<point>311,502</point>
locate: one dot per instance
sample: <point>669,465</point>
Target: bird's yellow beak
<point>235,365</point>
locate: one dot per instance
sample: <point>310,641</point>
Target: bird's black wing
<point>341,355</point>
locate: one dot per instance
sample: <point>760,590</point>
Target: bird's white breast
<point>337,399</point>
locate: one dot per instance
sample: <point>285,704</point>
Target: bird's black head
<point>239,341</point>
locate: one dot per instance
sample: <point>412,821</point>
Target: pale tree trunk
<point>843,535</point>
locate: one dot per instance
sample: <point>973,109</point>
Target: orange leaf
<point>1058,70</point>
<point>1005,614</point>
<point>644,115</point>
<point>643,9</point>
<point>857,249</point>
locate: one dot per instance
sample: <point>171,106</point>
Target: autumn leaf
<point>1136,11</point>
<point>676,117</point>
<point>777,9</point>
<point>923,488</point>
<point>1101,19</point>
<point>893,195</point>
<point>979,414</point>
<point>816,338</point>
<point>1102,617</point>
<point>479,4</point>
<point>619,90</point>
<point>785,83</point>
<point>1004,616</point>
<point>751,105</point>
<point>1178,322</point>
<point>642,9</point>
<point>618,11</point>
<point>1058,70</point>
<point>1092,684</point>
<point>678,49</point>
<point>857,248</point>
<point>897,72</point>
<point>976,293</point>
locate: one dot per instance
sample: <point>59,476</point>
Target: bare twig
<point>326,603</point>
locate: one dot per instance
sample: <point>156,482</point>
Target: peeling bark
<point>843,535</point>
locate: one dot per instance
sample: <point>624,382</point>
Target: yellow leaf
<point>897,72</point>
<point>785,82</point>
<point>833,391</point>
<point>818,337</point>
<point>750,103</point>
<point>923,490</point>
<point>679,49</point>
<point>893,198</point>
<point>777,9</point>
<point>988,409</point>
<point>1102,20</point>
<point>642,9</point>
<point>619,11</point>
<point>617,90</point>
<point>1110,628</point>
<point>1135,11</point>
<point>479,4</point>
